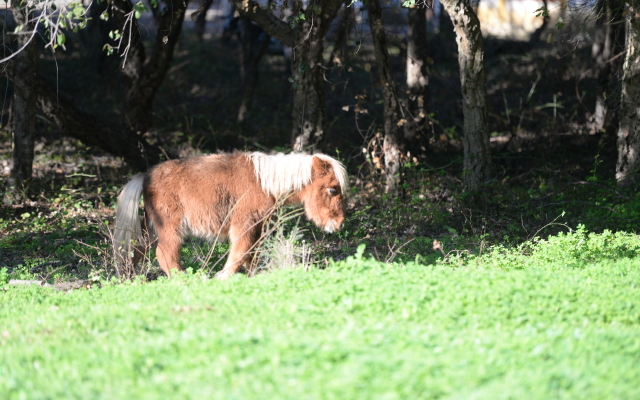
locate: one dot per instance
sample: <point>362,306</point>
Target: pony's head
<point>318,181</point>
<point>324,197</point>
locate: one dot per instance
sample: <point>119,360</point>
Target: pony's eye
<point>332,191</point>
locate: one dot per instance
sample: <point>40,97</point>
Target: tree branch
<point>267,21</point>
<point>133,52</point>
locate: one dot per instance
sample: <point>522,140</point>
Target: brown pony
<point>226,196</point>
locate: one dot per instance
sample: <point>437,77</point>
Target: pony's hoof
<point>222,275</point>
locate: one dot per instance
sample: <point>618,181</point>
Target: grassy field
<point>557,318</point>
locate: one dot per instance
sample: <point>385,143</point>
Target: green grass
<point>358,329</point>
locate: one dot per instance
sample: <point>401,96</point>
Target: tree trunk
<point>338,53</point>
<point>201,19</point>
<point>417,80</point>
<point>251,80</point>
<point>309,92</point>
<point>475,140</point>
<point>607,42</point>
<point>309,105</point>
<point>24,99</point>
<point>247,34</point>
<point>629,130</point>
<point>145,75</point>
<point>393,143</point>
<point>307,65</point>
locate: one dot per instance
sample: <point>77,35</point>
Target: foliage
<point>55,20</point>
<point>575,249</point>
<point>358,329</point>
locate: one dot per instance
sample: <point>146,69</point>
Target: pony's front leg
<point>241,250</point>
<point>168,252</point>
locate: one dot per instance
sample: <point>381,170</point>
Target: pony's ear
<point>320,167</point>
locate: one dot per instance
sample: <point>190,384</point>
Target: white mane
<point>281,174</point>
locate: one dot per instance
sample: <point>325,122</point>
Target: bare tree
<point>304,33</point>
<point>393,140</point>
<point>475,140</point>
<point>629,129</point>
<point>146,74</point>
<point>24,98</point>
<point>201,17</point>
<point>254,42</point>
<point>417,77</point>
<point>338,53</point>
<point>609,40</point>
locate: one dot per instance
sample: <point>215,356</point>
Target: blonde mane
<point>281,174</point>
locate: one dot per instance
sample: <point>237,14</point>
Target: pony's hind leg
<point>140,249</point>
<point>168,251</point>
<point>240,251</point>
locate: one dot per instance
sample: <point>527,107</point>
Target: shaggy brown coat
<point>226,196</point>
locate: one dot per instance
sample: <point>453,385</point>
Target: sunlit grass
<point>523,328</point>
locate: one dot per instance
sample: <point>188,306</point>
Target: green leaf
<point>108,48</point>
<point>137,14</point>
<point>61,39</point>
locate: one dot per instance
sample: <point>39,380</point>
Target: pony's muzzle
<point>332,226</point>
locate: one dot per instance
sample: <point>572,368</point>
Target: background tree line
<point>318,32</point>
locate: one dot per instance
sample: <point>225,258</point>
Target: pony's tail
<point>128,227</point>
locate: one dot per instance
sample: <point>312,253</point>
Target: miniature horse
<point>225,196</point>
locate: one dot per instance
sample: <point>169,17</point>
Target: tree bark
<point>267,21</point>
<point>417,79</point>
<point>338,53</point>
<point>146,74</point>
<point>475,140</point>
<point>24,98</point>
<point>252,74</point>
<point>309,92</point>
<point>201,18</point>
<point>393,141</point>
<point>309,96</point>
<point>608,41</point>
<point>305,39</point>
<point>629,129</point>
